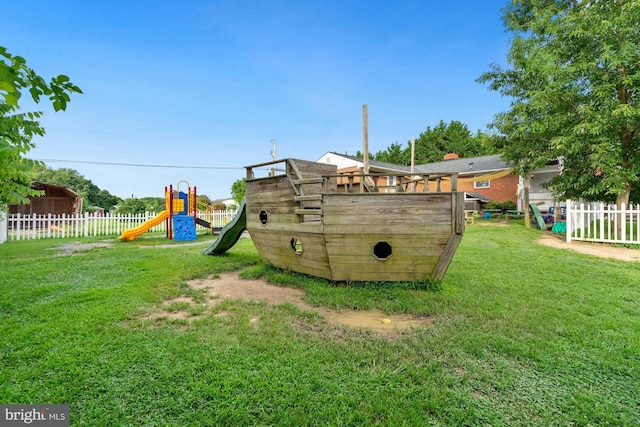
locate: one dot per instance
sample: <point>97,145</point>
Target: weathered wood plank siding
<point>417,226</point>
<point>419,231</point>
<point>276,196</point>
<point>275,248</point>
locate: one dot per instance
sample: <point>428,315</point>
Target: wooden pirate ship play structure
<point>306,217</point>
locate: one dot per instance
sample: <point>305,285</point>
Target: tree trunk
<point>527,214</point>
<point>620,199</point>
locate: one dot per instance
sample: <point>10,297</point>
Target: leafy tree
<point>132,206</point>
<point>574,77</point>
<point>361,155</point>
<point>154,204</point>
<point>238,190</point>
<point>394,154</point>
<point>70,178</point>
<point>203,198</point>
<point>106,200</point>
<point>433,144</point>
<point>18,129</point>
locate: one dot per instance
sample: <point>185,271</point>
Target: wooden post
<point>365,138</point>
<point>413,152</point>
<point>413,156</point>
<point>425,187</point>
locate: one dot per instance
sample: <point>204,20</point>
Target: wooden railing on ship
<point>361,182</point>
<point>358,182</point>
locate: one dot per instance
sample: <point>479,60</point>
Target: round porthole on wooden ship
<point>296,245</point>
<point>264,217</point>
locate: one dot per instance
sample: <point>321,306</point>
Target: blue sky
<point>209,84</point>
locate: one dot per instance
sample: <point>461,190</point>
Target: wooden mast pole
<point>365,137</point>
<point>413,155</point>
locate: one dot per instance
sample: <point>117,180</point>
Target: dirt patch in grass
<point>231,286</point>
<point>77,248</point>
<point>489,223</point>
<point>601,250</point>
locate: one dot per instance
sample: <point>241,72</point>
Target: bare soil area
<point>230,286</point>
<point>77,248</point>
<point>601,250</point>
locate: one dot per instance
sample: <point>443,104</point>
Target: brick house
<point>488,176</point>
<point>482,178</point>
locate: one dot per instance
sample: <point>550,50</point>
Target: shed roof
<point>60,190</point>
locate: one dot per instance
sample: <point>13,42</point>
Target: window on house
<point>482,184</point>
<point>391,182</point>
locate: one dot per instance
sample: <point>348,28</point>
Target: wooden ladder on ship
<point>301,197</point>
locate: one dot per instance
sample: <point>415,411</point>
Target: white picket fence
<point>3,227</point>
<point>600,222</point>
<point>22,227</point>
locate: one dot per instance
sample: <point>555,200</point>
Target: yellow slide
<point>131,233</point>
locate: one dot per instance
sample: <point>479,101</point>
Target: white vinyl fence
<point>21,227</point>
<point>600,222</point>
<point>3,227</point>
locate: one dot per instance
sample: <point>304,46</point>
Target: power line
<point>139,165</point>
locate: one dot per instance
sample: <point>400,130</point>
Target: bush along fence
<point>22,227</point>
<point>600,222</point>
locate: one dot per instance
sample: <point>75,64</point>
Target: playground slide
<point>131,233</point>
<point>538,216</point>
<point>204,223</point>
<point>230,233</point>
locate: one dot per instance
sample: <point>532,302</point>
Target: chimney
<point>451,156</point>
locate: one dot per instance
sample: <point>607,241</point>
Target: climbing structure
<point>306,217</point>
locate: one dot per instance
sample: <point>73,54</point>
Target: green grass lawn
<point>525,335</point>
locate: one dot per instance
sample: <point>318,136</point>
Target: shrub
<point>501,206</point>
<point>508,206</point>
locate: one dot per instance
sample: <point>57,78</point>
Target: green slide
<point>230,233</point>
<point>536,213</point>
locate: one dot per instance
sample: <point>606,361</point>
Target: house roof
<point>472,195</point>
<point>469,165</point>
<point>375,163</point>
<point>223,201</point>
